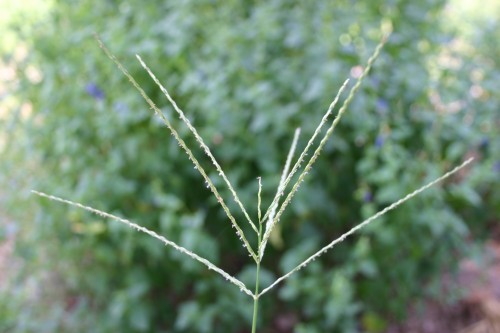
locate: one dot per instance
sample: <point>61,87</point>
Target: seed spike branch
<point>317,152</point>
<point>259,200</point>
<point>200,141</point>
<point>365,223</point>
<point>296,166</point>
<point>284,175</point>
<point>151,233</point>
<point>181,142</point>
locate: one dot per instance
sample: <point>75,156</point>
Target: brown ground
<point>478,310</point>
<point>6,249</point>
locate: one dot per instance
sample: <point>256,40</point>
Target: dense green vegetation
<point>247,74</point>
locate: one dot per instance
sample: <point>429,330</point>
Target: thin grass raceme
<point>267,221</point>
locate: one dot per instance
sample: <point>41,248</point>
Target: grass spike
<point>259,200</point>
<point>275,201</point>
<point>181,142</point>
<point>200,141</point>
<point>365,223</point>
<point>296,166</point>
<point>151,233</point>
<point>342,110</point>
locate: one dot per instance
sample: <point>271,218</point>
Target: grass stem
<point>256,300</point>
<point>257,274</point>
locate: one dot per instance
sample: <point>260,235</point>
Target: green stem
<point>256,299</point>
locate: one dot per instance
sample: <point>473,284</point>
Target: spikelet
<point>365,223</point>
<point>151,233</point>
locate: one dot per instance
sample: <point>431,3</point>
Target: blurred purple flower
<point>379,141</point>
<point>93,90</point>
<point>382,105</point>
<point>375,81</point>
<point>484,143</point>
<point>368,197</point>
<point>496,166</point>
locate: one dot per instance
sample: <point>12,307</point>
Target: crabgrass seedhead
<point>267,222</point>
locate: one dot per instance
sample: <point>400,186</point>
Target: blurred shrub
<point>247,74</point>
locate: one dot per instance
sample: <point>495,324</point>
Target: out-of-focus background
<point>248,73</point>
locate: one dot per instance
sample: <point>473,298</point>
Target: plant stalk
<point>256,299</point>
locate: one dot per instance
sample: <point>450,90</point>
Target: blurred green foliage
<point>247,74</point>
